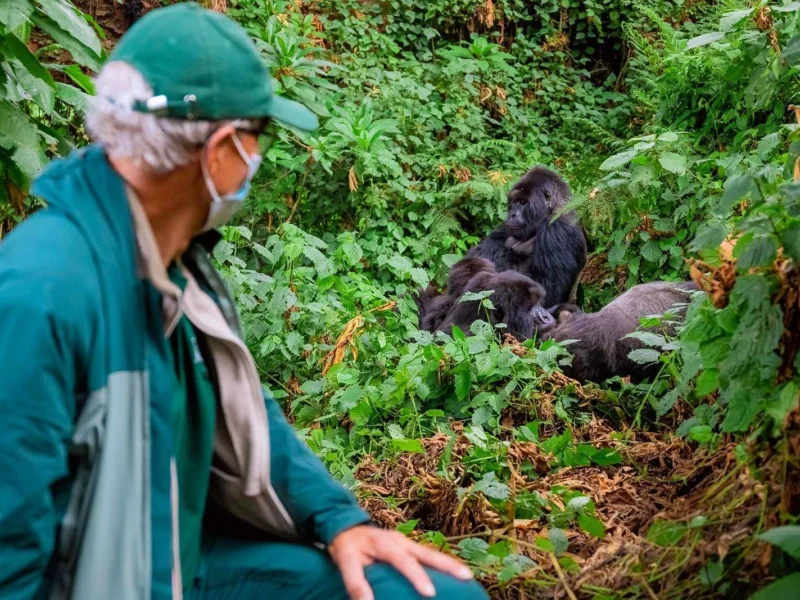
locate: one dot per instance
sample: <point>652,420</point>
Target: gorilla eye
<point>547,194</point>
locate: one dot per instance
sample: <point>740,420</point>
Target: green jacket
<point>86,474</point>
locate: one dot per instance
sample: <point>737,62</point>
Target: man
<point>139,457</point>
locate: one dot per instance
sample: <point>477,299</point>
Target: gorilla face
<point>534,198</point>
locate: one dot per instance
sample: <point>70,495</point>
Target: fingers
<point>408,565</point>
<point>354,580</point>
<point>442,562</point>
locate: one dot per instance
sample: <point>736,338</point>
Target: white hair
<point>161,144</point>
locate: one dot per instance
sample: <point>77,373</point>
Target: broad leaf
<point>760,252</point>
<point>15,47</point>
<point>737,189</point>
<point>558,538</point>
<point>644,356</point>
<point>732,18</point>
<point>783,589</point>
<point>14,13</point>
<point>787,538</point>
<point>406,445</point>
<point>704,40</point>
<point>82,54</point>
<point>618,160</point>
<point>674,163</point>
<point>72,22</point>
<point>710,235</point>
<point>592,525</point>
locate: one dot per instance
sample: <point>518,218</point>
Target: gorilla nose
<point>541,318</point>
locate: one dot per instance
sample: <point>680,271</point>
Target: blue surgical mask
<point>224,207</point>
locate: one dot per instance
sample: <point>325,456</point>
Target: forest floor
<point>670,511</point>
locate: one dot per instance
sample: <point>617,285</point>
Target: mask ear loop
<point>253,161</point>
<point>206,176</point>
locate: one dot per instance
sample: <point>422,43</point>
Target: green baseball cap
<point>202,65</point>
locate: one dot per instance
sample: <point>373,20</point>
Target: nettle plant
<point>39,115</point>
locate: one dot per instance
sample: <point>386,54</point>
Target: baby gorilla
<point>601,350</point>
<point>517,303</point>
<point>433,306</point>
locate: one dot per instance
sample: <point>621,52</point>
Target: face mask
<point>224,207</point>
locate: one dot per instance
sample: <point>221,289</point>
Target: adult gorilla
<point>551,253</point>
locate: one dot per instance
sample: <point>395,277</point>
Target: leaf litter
<point>670,510</point>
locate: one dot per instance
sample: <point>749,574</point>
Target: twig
<point>561,576</point>
<point>650,591</point>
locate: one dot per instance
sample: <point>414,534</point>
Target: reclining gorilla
<point>601,348</point>
<point>552,254</point>
<point>516,298</point>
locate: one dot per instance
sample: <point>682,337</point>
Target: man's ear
<point>214,147</point>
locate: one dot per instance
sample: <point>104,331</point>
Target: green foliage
<point>37,113</point>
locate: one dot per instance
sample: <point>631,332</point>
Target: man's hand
<point>356,548</point>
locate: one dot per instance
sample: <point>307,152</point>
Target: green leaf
<point>606,457</point>
<point>668,136</point>
<point>15,47</point>
<point>707,382</point>
<point>407,527</point>
<point>406,445</point>
<point>75,98</point>
<point>420,277</point>
<point>704,40</point>
<point>81,53</point>
<point>787,538</point>
<point>758,253</point>
<point>701,433</point>
<point>514,565</point>
<point>80,78</point>
<point>791,52</point>
<point>674,163</point>
<point>491,488</point>
<point>737,188</point>
<point>644,356</point>
<point>475,550</point>
<point>730,19</point>
<point>72,22</point>
<point>651,252</point>
<point>783,589</point>
<point>14,13</point>
<point>666,533</point>
<point>710,235</point>
<point>592,525</point>
<point>463,381</point>
<point>618,160</point>
<point>791,242</point>
<point>481,415</point>
<point>558,538</point>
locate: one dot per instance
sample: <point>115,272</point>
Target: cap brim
<point>293,113</point>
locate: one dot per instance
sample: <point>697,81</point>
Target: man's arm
<point>37,408</point>
<point>46,316</point>
<point>320,507</point>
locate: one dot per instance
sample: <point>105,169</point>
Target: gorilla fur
<point>552,254</point>
<point>433,306</point>
<point>601,350</point>
<point>516,299</point>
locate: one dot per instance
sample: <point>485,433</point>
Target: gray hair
<point>160,144</point>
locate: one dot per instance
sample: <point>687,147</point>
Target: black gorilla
<point>601,350</point>
<point>552,254</point>
<point>516,299</point>
<point>433,306</point>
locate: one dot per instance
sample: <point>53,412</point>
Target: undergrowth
<point>672,122</point>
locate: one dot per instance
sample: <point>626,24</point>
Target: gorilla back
<point>601,350</point>
<point>552,254</point>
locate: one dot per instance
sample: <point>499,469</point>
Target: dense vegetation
<point>672,122</point>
